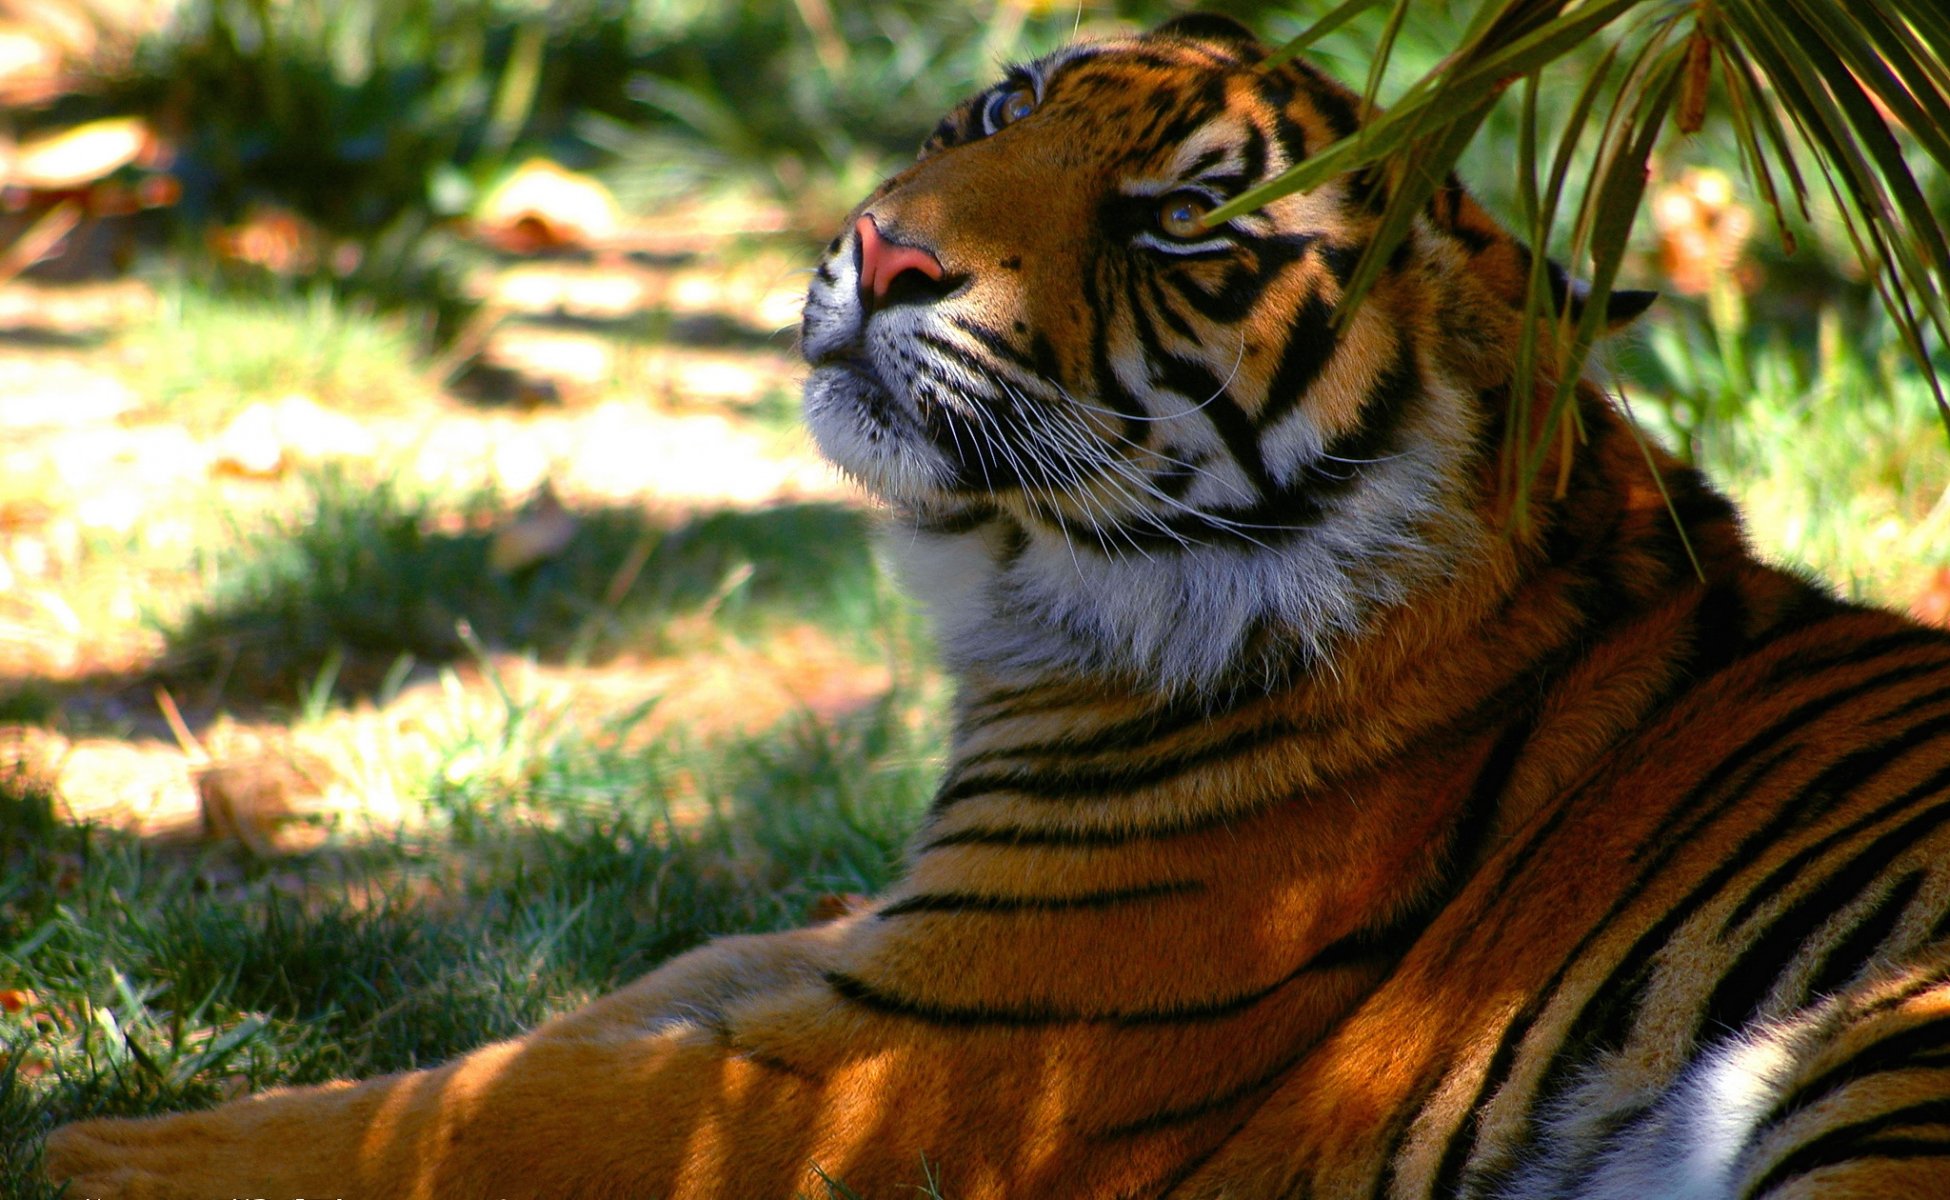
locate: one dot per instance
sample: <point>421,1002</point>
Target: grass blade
<point>1319,29</point>
<point>1430,161</point>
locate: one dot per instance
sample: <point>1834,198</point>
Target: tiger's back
<point>1305,831</point>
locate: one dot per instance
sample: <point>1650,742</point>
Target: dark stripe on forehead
<point>1183,115</point>
<point>1339,259</point>
<point>1204,163</point>
<point>1291,135</point>
<point>1254,153</point>
<point>1334,103</point>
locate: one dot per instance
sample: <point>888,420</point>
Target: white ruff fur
<point>1687,1147</point>
<point>1181,618</point>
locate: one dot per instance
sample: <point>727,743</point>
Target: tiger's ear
<point>1622,307</point>
<point>1210,27</point>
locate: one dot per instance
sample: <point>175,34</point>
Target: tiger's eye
<point>1012,106</point>
<point>1183,215</point>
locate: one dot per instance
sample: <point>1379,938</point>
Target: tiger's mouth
<point>853,376</point>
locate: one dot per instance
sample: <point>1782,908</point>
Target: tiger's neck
<point>1193,598</point>
<point>1528,657</point>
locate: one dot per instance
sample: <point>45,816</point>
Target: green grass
<point>366,573</point>
<point>155,989</point>
<point>1826,435</point>
<point>210,353</point>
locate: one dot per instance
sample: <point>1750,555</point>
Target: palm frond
<point>1821,82</point>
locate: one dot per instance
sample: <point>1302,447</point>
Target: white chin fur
<point>863,439</point>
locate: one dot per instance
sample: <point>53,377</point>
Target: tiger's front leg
<point>633,1094</point>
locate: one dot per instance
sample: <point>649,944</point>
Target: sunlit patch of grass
<point>206,355</point>
<point>1831,446</point>
<point>145,982</point>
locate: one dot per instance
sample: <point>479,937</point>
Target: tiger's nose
<point>892,273</point>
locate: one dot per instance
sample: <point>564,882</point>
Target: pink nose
<point>882,261</point>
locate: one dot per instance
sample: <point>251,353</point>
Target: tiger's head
<point>1134,444</point>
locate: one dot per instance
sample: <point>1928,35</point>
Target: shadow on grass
<point>367,578</point>
<point>32,338</point>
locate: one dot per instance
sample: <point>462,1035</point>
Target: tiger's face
<point>1101,411</point>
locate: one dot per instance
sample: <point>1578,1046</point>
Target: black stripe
<point>1853,954</point>
<point>1607,1011</point>
<point>1334,104</point>
<point>1253,153</point>
<point>959,355</point>
<point>1074,782</point>
<point>1916,704</point>
<point>1605,1008</point>
<point>1196,382</point>
<point>1791,868</point>
<point>1110,390</point>
<point>1309,345</point>
<point>1122,834</point>
<point>1167,311</point>
<point>1340,259</point>
<point>1604,1020</point>
<point>1688,817</point>
<point>1252,264</point>
<point>1383,413</point>
<point>993,342</point>
<point>1218,1102</point>
<point>1401,1125</point>
<point>974,902</point>
<point>1286,512</point>
<point>1530,686</point>
<point>1746,982</point>
<point>858,991</point>
<point>1820,659</point>
<point>1841,779</point>
<point>1926,1044</point>
<point>1859,1140</point>
<point>1169,719</point>
<point>1191,1166</point>
<point>1288,133</point>
<point>1211,158</point>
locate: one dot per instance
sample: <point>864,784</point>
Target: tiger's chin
<point>873,436</point>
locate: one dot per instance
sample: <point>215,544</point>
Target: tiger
<point>1309,828</point>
